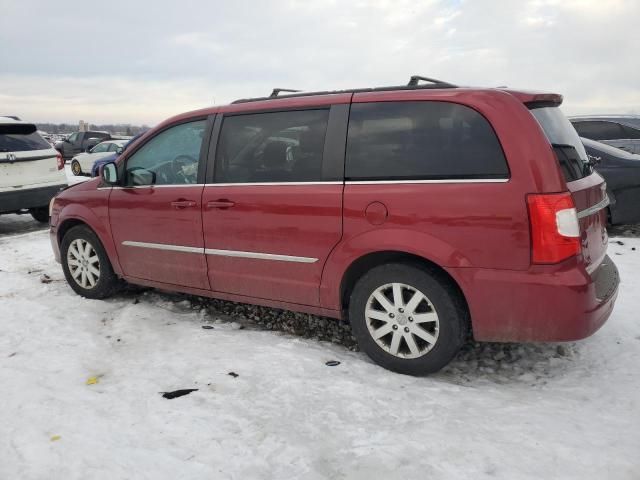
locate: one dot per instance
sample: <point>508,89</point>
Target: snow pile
<point>83,381</point>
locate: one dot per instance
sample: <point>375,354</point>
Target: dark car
<point>420,213</point>
<point>620,131</point>
<point>621,170</point>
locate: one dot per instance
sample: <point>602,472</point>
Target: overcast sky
<point>142,61</point>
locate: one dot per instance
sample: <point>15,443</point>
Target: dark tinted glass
<point>421,140</point>
<point>566,143</point>
<point>272,147</point>
<point>21,138</point>
<point>596,130</point>
<point>630,133</point>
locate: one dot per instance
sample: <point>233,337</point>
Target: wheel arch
<point>85,217</point>
<point>361,265</point>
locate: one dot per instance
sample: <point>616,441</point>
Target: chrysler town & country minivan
<point>422,214</point>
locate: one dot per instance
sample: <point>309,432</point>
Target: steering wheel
<point>185,168</point>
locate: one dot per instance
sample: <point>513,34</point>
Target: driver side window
<point>169,158</point>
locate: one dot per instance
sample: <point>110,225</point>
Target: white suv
<point>31,170</point>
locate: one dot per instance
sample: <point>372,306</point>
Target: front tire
<point>40,214</point>
<point>76,169</point>
<point>86,265</point>
<point>408,319</point>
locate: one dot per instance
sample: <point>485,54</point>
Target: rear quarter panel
<point>455,225</point>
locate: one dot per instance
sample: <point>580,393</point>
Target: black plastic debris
<point>233,374</point>
<point>44,278</point>
<point>332,363</point>
<point>178,393</point>
<point>207,327</point>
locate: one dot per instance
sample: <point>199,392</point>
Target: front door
<point>156,218</point>
<point>274,212</point>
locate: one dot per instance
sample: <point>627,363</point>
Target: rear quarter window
<point>421,141</point>
<point>21,138</point>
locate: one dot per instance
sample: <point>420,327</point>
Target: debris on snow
<point>178,393</point>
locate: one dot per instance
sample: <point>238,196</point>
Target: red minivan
<point>422,214</point>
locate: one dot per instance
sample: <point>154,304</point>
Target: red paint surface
<point>477,232</point>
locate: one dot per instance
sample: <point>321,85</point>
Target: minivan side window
<point>272,147</point>
<point>169,158</point>
<point>423,140</point>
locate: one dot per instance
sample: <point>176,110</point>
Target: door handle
<point>220,204</point>
<point>179,204</point>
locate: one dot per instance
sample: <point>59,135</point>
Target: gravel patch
<point>629,231</point>
<point>493,362</point>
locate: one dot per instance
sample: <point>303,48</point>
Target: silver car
<point>621,131</point>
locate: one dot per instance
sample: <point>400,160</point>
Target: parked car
<point>82,163</point>
<point>31,171</point>
<point>95,170</point>
<point>79,142</point>
<point>421,213</point>
<point>620,131</point>
<point>621,171</point>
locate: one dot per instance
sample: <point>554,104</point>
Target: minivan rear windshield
<point>565,141</point>
<point>21,138</point>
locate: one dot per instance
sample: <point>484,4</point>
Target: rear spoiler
<point>536,99</point>
<point>542,100</point>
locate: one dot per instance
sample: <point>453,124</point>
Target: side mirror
<point>109,173</point>
<point>119,150</point>
<point>142,177</point>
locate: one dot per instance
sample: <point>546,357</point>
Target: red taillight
<point>60,161</point>
<point>555,232</point>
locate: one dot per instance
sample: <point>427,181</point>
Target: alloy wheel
<point>83,263</point>
<point>402,320</point>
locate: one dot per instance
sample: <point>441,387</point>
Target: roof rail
<point>276,91</point>
<point>412,85</point>
<point>415,79</point>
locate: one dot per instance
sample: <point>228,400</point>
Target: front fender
<point>95,214</point>
<point>348,251</point>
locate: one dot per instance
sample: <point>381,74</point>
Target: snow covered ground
<point>81,381</point>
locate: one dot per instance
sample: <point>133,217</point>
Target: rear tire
<point>76,169</point>
<point>86,265</point>
<point>40,214</point>
<point>408,319</point>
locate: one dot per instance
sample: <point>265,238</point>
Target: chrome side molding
<point>221,253</point>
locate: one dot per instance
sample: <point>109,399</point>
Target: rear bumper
<point>19,199</point>
<point>543,304</point>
